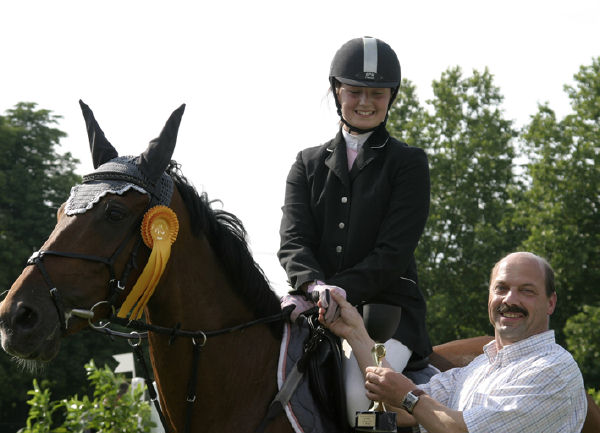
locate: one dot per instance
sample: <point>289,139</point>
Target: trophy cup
<point>381,321</point>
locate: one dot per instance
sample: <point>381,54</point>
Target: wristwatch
<point>411,399</point>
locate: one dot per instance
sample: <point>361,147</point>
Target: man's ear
<point>552,303</point>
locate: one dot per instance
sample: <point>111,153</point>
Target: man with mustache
<point>522,382</point>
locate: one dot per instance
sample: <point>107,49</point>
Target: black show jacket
<point>358,230</point>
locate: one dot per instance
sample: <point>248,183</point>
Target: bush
<point>112,409</point>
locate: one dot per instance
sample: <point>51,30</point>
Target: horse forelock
<point>227,237</point>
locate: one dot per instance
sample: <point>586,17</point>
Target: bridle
<point>116,285</point>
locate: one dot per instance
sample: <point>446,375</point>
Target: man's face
<point>518,305</point>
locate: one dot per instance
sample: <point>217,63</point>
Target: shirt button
<point>341,225</point>
<point>344,199</point>
<point>338,249</point>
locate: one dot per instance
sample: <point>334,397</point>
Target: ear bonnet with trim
<point>117,174</point>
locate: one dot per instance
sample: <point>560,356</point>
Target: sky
<point>254,76</point>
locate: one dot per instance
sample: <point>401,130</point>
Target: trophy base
<point>368,421</point>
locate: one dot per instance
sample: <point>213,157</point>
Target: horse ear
<point>156,158</point>
<point>102,150</point>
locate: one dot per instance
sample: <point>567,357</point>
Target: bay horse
<point>92,262</point>
<point>211,282</point>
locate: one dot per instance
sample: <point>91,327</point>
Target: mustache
<point>511,309</point>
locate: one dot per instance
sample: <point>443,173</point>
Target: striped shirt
<point>533,385</point>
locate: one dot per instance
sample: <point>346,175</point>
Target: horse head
<point>91,255</point>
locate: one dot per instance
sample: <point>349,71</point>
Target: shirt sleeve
<point>442,385</point>
<point>548,398</point>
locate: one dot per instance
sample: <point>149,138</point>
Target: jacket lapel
<point>369,151</point>
<point>336,159</point>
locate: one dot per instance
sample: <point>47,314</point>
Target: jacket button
<point>344,199</point>
<point>341,225</point>
<point>338,249</point>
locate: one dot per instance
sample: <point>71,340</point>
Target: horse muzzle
<point>26,333</point>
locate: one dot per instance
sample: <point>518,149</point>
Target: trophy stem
<point>377,419</point>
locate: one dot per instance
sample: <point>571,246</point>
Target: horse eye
<point>115,214</point>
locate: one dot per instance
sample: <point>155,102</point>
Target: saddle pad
<point>302,410</point>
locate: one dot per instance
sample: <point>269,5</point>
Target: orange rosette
<point>159,230</point>
<point>160,223</point>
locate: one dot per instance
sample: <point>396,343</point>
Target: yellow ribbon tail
<point>159,231</point>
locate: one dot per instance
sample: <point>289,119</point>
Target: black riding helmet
<point>365,62</point>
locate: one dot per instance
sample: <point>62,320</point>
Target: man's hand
<point>348,325</point>
<point>384,384</point>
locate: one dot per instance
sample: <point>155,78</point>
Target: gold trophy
<point>381,322</point>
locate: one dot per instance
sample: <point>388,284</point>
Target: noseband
<point>115,285</point>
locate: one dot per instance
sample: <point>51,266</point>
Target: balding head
<point>544,266</point>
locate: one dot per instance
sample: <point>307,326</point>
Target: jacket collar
<point>338,162</point>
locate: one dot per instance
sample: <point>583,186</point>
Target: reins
<point>199,340</point>
<point>140,329</point>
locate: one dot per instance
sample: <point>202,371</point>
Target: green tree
<point>34,182</point>
<point>473,188</point>
<point>562,205</point>
<point>407,117</point>
<point>582,332</point>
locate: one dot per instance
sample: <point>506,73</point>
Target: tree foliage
<point>470,148</point>
<point>34,182</point>
<point>562,205</point>
<point>582,333</point>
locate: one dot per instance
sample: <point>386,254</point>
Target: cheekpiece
<point>118,176</point>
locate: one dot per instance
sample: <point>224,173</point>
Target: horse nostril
<point>26,318</point>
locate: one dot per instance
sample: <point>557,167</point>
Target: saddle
<point>309,375</point>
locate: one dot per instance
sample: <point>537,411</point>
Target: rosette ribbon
<point>159,231</point>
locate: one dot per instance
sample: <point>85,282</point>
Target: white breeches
<point>397,354</point>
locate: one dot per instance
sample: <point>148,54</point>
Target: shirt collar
<point>355,142</point>
<point>519,349</point>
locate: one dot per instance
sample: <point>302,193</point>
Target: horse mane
<point>227,237</point>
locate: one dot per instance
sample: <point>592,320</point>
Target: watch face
<point>409,402</point>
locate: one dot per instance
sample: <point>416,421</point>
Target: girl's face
<point>364,107</point>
